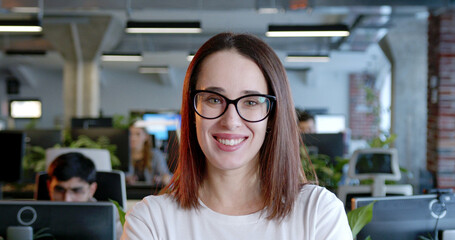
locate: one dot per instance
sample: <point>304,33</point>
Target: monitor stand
<point>377,189</point>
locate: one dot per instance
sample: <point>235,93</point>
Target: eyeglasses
<point>251,107</point>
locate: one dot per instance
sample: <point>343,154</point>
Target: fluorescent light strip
<point>20,28</point>
<point>163,30</point>
<point>25,9</point>
<point>152,70</point>
<point>307,58</point>
<point>307,33</point>
<point>268,10</point>
<point>121,58</point>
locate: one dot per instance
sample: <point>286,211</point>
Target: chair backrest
<point>100,157</point>
<point>111,185</point>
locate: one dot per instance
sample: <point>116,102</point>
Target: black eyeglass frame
<point>271,98</point>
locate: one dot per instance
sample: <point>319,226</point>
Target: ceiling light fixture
<point>25,9</point>
<point>338,30</point>
<point>269,10</point>
<point>121,57</point>
<point>33,52</point>
<point>307,58</point>
<point>19,26</point>
<point>163,27</point>
<point>153,69</point>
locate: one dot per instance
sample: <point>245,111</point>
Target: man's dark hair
<point>304,116</point>
<point>72,164</point>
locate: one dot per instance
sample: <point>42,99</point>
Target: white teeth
<point>230,142</point>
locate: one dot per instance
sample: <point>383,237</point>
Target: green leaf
<point>120,210</point>
<point>360,217</point>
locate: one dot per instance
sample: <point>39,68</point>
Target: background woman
<point>239,174</point>
<point>147,163</point>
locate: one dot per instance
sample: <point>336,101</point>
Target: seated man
<point>72,178</point>
<point>306,122</point>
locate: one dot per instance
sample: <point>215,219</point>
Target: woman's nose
<point>231,118</point>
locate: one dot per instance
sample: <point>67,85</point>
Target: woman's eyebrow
<point>251,92</point>
<point>221,90</point>
<point>215,89</point>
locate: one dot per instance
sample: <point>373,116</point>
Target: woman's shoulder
<point>156,203</point>
<point>317,196</point>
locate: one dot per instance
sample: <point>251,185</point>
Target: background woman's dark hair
<point>280,169</point>
<point>72,164</point>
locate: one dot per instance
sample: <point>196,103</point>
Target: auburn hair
<point>280,169</point>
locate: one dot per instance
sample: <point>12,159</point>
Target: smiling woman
<point>239,174</point>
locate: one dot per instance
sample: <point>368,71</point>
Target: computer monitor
<point>118,137</point>
<point>407,217</point>
<point>45,138</point>
<point>375,163</point>
<point>25,108</point>
<point>330,144</point>
<point>91,122</point>
<point>64,220</point>
<point>159,124</point>
<point>379,165</point>
<point>330,123</point>
<point>12,148</point>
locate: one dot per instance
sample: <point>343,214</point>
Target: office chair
<point>100,157</point>
<point>111,185</point>
<point>379,165</point>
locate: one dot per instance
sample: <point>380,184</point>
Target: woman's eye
<point>214,100</point>
<point>251,103</point>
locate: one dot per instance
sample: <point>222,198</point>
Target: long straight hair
<point>147,155</point>
<point>280,170</point>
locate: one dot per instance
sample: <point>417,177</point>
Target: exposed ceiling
<point>367,20</point>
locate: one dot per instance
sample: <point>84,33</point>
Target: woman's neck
<point>136,153</point>
<point>232,193</point>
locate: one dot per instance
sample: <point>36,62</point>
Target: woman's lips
<point>229,143</point>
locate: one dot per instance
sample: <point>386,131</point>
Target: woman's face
<point>229,142</point>
<point>137,138</point>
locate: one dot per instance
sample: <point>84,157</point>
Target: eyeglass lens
<point>249,107</point>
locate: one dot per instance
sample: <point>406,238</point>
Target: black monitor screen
<point>407,217</point>
<point>63,220</point>
<point>374,163</point>
<point>117,137</point>
<point>91,122</point>
<point>12,148</point>
<point>45,138</point>
<point>330,144</point>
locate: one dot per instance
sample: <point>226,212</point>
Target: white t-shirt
<point>317,215</point>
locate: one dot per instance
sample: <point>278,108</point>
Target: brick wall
<point>363,106</point>
<point>441,98</point>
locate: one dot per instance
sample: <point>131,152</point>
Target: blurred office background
<point>380,78</point>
